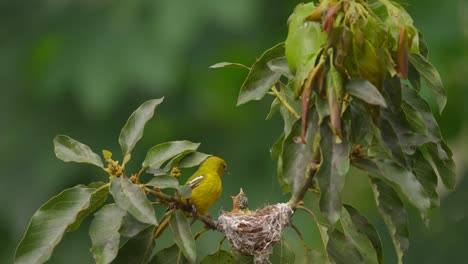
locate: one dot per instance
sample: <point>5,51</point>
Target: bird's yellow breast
<point>205,194</point>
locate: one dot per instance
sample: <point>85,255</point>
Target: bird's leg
<point>194,214</point>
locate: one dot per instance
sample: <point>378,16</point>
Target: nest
<point>255,233</point>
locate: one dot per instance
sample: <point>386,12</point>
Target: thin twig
<point>304,244</point>
<point>102,187</point>
<point>284,102</point>
<point>142,170</point>
<point>201,232</point>
<point>184,206</point>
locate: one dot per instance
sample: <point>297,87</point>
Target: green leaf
<point>138,249</point>
<point>183,235</point>
<point>401,179</point>
<point>288,117</point>
<point>260,77</point>
<point>305,38</point>
<point>161,153</point>
<point>163,182</point>
<point>68,149</point>
<point>219,257</point>
<point>170,255</point>
<point>364,226</point>
<point>297,156</point>
<point>392,141</point>
<point>413,99</point>
<point>332,172</point>
<point>366,91</point>
<point>280,65</point>
<point>132,198</point>
<point>358,238</point>
<point>133,129</point>
<point>130,228</point>
<point>394,215</point>
<point>97,199</point>
<point>104,233</point>
<point>432,78</point>
<point>49,224</point>
<point>335,94</point>
<point>229,65</point>
<point>193,159</point>
<point>441,157</point>
<point>275,106</point>
<point>414,117</point>
<point>277,147</point>
<point>342,250</point>
<point>282,253</point>
<point>185,191</point>
<point>426,176</point>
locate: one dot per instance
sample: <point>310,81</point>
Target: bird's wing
<point>195,181</point>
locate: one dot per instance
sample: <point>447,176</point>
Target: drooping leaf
<point>432,78</point>
<point>280,65</point>
<point>414,117</point>
<point>275,106</point>
<point>277,147</point>
<point>359,239</point>
<point>394,215</point>
<point>296,157</point>
<point>305,38</point>
<point>391,139</point>
<point>184,191</point>
<point>401,179</point>
<point>104,233</point>
<point>331,175</point>
<point>364,226</point>
<point>68,149</point>
<point>132,198</point>
<point>282,253</point>
<point>413,99</point>
<point>288,117</point>
<point>161,153</point>
<point>219,257</point>
<point>49,224</point>
<point>183,235</point>
<point>260,77</point>
<point>426,176</point>
<point>341,250</point>
<point>170,255</point>
<point>133,129</point>
<point>365,91</point>
<point>138,249</point>
<point>97,199</point>
<point>229,65</point>
<point>335,93</point>
<point>443,162</point>
<point>163,182</point>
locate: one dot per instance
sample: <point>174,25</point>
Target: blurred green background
<point>81,67</point>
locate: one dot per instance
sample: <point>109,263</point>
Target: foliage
<point>347,83</point>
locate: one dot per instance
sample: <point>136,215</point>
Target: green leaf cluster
<point>349,92</point>
<point>123,231</point>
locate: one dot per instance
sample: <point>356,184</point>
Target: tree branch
<point>179,204</point>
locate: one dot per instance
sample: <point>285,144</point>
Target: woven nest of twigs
<point>255,233</point>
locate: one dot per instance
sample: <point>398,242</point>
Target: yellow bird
<point>206,184</point>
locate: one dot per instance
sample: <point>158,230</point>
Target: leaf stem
<point>284,102</point>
